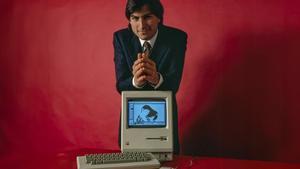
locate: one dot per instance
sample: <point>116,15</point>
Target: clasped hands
<point>144,70</point>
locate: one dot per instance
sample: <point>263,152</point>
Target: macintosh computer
<point>146,123</point>
<point>146,133</point>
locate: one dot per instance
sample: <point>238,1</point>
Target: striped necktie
<point>147,48</point>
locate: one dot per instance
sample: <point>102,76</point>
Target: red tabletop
<point>67,160</point>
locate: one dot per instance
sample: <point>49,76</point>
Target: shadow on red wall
<point>254,114</point>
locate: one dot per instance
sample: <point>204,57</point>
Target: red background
<point>238,98</point>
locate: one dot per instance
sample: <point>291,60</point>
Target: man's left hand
<point>152,75</point>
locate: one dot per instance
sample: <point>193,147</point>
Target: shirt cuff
<point>136,86</point>
<point>161,80</point>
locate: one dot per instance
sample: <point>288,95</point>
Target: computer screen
<point>146,113</point>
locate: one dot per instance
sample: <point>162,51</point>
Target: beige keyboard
<point>126,160</point>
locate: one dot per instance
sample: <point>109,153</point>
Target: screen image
<point>146,113</point>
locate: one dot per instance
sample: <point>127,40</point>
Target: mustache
<point>145,29</point>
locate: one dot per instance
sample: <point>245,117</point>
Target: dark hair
<point>154,6</point>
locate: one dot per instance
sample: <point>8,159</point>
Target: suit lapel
<point>160,47</point>
<point>134,47</point>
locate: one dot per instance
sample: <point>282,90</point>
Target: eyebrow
<point>147,14</point>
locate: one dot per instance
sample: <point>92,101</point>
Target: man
<point>149,55</point>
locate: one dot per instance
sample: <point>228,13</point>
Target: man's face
<point>143,23</point>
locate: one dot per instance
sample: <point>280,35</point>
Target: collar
<point>151,41</point>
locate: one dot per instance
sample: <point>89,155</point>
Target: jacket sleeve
<point>122,68</point>
<point>172,74</point>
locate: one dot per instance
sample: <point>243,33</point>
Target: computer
<point>146,123</point>
<point>146,133</point>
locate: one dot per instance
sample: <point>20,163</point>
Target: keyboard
<point>126,160</point>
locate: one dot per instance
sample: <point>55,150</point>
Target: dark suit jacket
<point>168,53</point>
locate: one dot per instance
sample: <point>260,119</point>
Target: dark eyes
<point>136,18</point>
